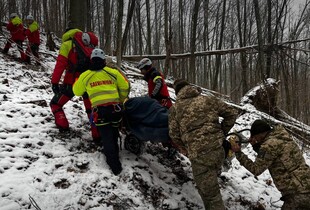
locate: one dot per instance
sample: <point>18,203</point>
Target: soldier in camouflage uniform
<point>278,152</point>
<point>195,128</point>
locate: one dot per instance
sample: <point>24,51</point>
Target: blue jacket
<point>146,119</point>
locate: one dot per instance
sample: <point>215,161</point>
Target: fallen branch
<point>264,98</point>
<point>266,47</point>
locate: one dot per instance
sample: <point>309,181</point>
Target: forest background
<point>227,46</point>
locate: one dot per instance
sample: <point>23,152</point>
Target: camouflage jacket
<point>285,162</point>
<point>194,121</point>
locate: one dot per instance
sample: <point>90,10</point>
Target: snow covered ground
<point>38,165</point>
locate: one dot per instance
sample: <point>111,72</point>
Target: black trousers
<point>109,118</point>
<point>32,49</point>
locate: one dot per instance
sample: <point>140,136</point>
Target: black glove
<point>55,88</point>
<point>157,96</point>
<point>227,146</point>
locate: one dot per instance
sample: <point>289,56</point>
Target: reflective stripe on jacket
<point>152,76</point>
<point>33,33</point>
<point>104,87</point>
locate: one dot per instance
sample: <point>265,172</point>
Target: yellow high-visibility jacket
<point>104,87</point>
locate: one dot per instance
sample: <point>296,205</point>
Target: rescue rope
<point>29,54</point>
<point>27,74</point>
<point>242,138</point>
<point>34,203</point>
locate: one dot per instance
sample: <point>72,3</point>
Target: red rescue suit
<point>162,96</point>
<point>16,29</point>
<point>69,61</point>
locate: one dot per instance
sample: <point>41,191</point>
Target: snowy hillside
<point>39,166</point>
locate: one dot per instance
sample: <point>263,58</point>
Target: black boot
<point>5,50</point>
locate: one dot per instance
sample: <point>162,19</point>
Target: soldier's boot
<point>215,202</point>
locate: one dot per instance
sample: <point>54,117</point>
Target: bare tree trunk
<point>148,25</point>
<point>25,9</point>
<point>100,31</point>
<point>107,27</point>
<point>135,32</point>
<point>49,42</point>
<point>157,21</point>
<point>192,59</point>
<point>89,16</point>
<point>205,41</point>
<point>182,64</point>
<point>140,43</point>
<point>218,57</point>
<point>120,9</point>
<point>35,9</point>
<point>12,6</point>
<point>242,44</point>
<point>78,13</point>
<point>260,57</point>
<point>269,39</point>
<point>131,8</point>
<point>3,6</point>
<point>168,37</point>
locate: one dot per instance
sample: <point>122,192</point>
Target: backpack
<point>83,61</point>
<point>69,34</point>
<point>83,53</point>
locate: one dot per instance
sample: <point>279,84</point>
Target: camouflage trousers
<point>205,170</point>
<point>298,201</point>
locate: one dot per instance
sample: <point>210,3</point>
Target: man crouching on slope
<point>278,152</point>
<point>107,89</point>
<point>194,126</point>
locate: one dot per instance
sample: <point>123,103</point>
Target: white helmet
<point>97,53</point>
<point>29,17</point>
<point>13,15</point>
<point>144,62</point>
<point>86,39</point>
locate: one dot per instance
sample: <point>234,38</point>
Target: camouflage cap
<point>259,126</point>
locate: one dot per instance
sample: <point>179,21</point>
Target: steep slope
<point>62,171</point>
<point>40,166</point>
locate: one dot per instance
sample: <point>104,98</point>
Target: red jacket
<point>33,33</point>
<point>16,28</point>
<point>68,58</point>
<point>164,98</point>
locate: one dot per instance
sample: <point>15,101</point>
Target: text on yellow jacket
<point>104,87</point>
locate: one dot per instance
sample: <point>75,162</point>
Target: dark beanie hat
<point>259,126</point>
<point>179,84</point>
